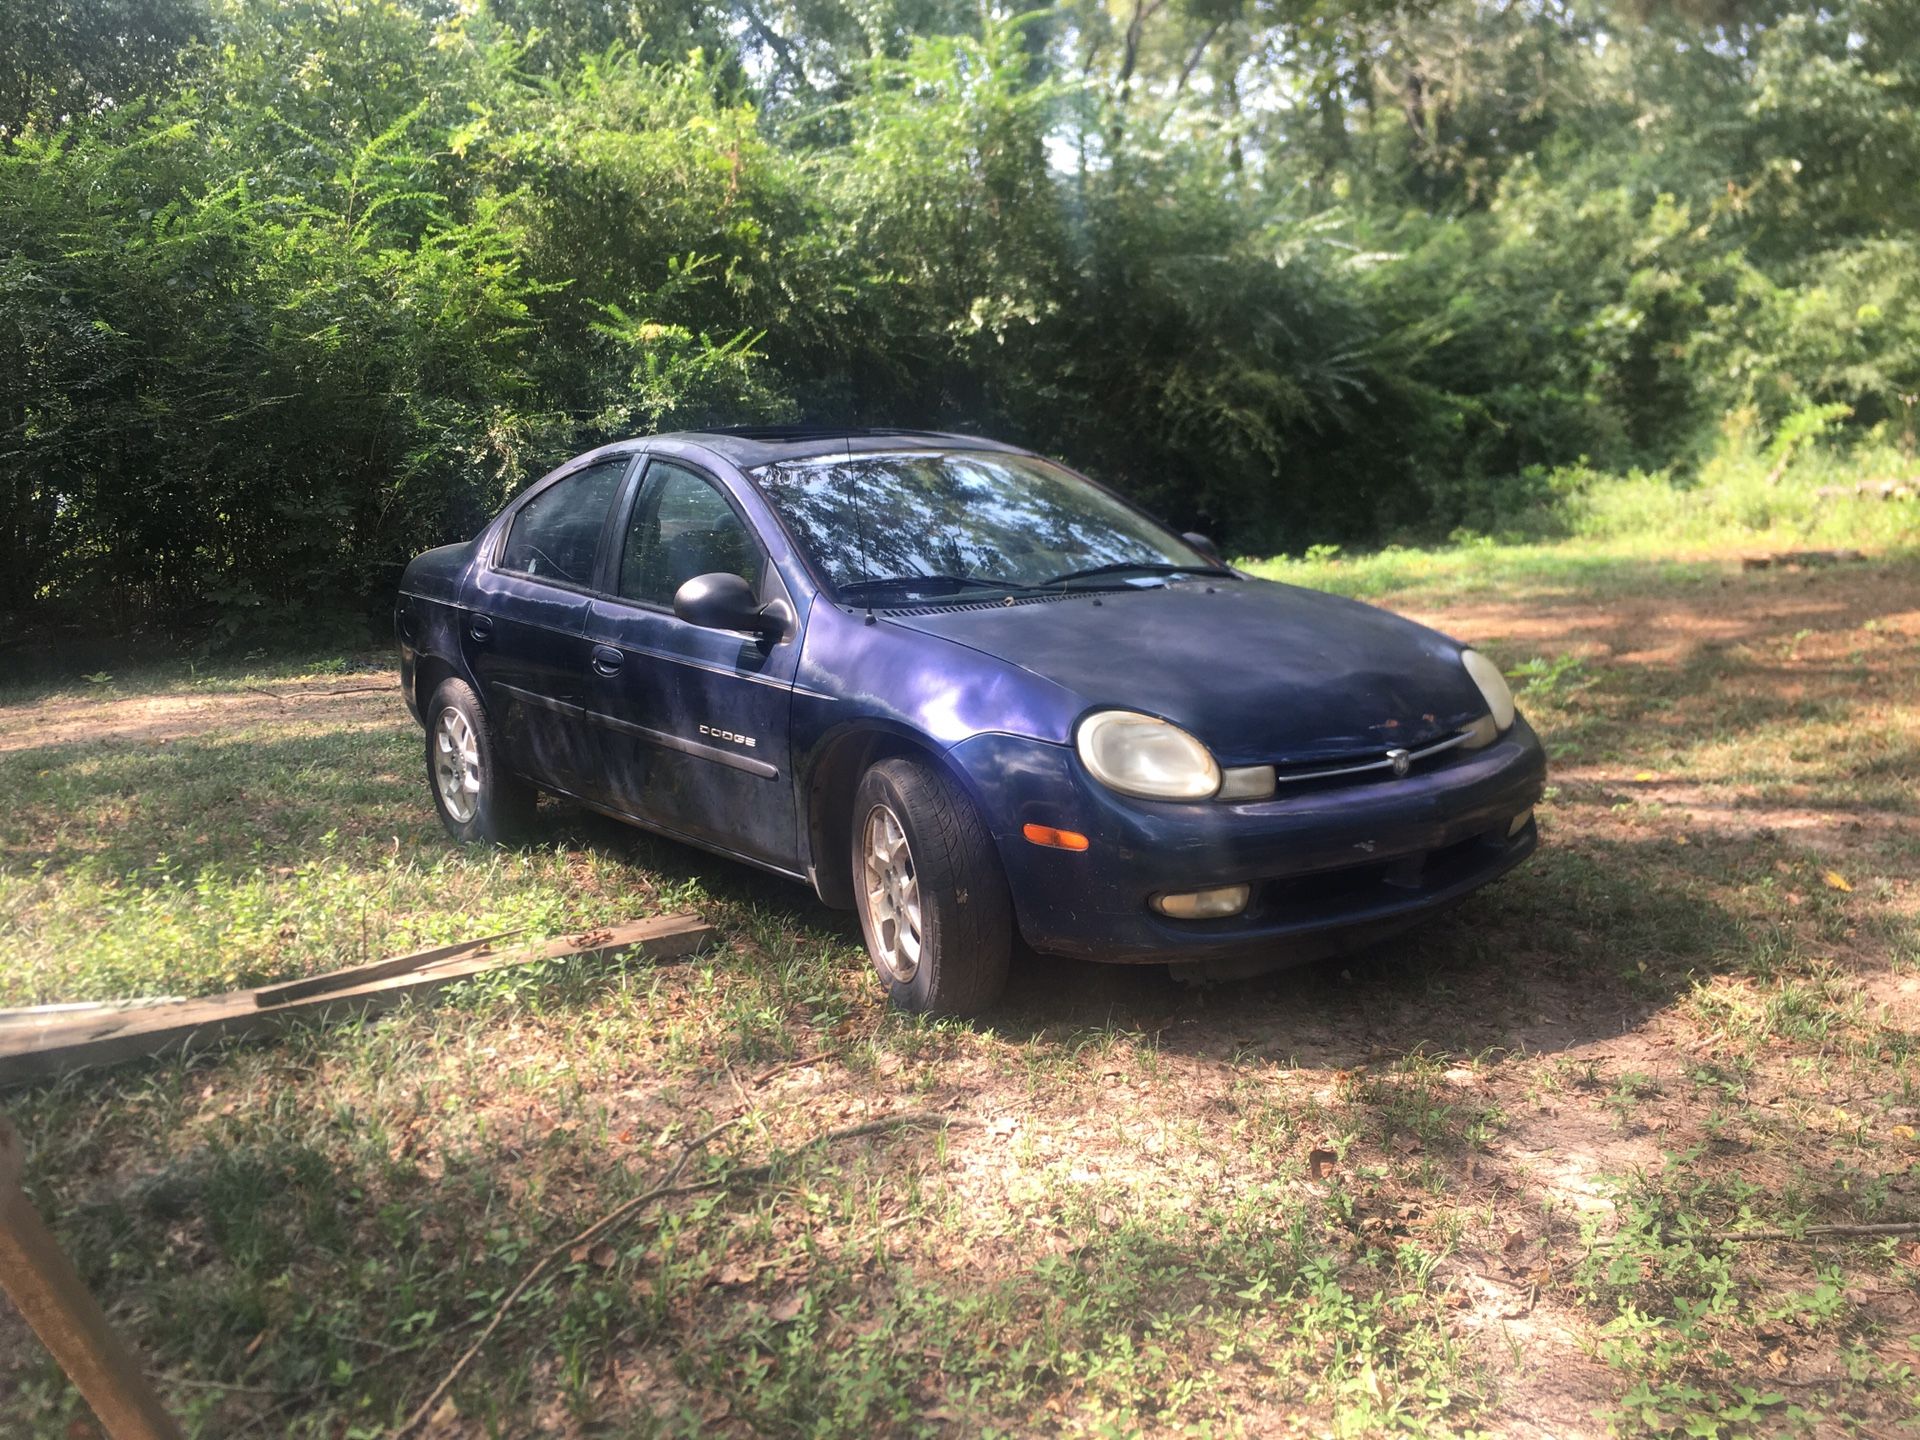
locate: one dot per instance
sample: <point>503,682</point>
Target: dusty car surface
<point>966,692</point>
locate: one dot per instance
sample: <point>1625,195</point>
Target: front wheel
<point>479,800</point>
<point>933,902</point>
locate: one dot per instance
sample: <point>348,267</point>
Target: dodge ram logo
<point>1401,762</point>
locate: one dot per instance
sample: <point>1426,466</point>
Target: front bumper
<point>1329,867</point>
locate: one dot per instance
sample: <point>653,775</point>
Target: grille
<point>1328,892</point>
<point>1371,761</point>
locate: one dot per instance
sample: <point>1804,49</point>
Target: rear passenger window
<point>557,534</point>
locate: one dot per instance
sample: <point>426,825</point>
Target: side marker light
<point>1054,839</point>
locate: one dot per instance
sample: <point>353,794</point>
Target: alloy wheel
<point>893,895</point>
<point>456,765</point>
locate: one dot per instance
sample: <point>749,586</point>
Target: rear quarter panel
<point>427,615</point>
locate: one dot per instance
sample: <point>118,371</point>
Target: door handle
<point>480,627</point>
<point>607,660</point>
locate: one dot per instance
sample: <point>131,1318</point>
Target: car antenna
<point>860,519</point>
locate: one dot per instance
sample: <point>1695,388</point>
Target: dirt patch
<point>159,719</point>
<point>1664,625</point>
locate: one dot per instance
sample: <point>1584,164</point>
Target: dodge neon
<point>967,693</point>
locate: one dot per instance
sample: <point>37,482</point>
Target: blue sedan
<point>967,693</point>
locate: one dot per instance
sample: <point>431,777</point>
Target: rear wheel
<point>933,902</point>
<point>479,800</point>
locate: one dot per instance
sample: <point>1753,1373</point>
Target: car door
<point>524,632</point>
<point>694,720</point>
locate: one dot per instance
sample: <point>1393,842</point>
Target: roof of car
<point>752,445</point>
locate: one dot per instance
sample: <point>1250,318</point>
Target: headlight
<point>1140,755</point>
<point>1493,687</point>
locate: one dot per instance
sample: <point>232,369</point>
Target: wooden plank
<point>63,1042</point>
<point>37,1276</point>
<point>38,1014</point>
<point>378,970</point>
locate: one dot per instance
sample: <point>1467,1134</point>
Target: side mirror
<point>720,601</point>
<point>1205,546</point>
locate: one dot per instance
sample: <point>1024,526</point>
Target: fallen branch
<point>585,1237</point>
<point>784,1065</point>
<point>1821,1232</point>
<point>192,1382</point>
<point>912,1120</point>
<point>625,1211</point>
<point>1806,1232</point>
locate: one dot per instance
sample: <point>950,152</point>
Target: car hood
<point>1260,672</point>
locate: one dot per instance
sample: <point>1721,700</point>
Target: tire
<point>480,801</point>
<point>936,915</point>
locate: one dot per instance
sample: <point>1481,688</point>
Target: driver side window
<point>682,527</point>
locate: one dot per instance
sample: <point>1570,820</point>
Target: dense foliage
<point>290,290</point>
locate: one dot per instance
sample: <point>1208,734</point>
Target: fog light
<point>1214,904</point>
<point>1247,782</point>
<point>1520,822</point>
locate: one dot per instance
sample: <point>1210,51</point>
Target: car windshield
<point>932,523</point>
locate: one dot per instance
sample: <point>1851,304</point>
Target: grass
<point>1467,1183</point>
<point>1594,535</point>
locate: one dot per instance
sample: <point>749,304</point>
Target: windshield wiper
<point>1136,567</point>
<point>946,583</point>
